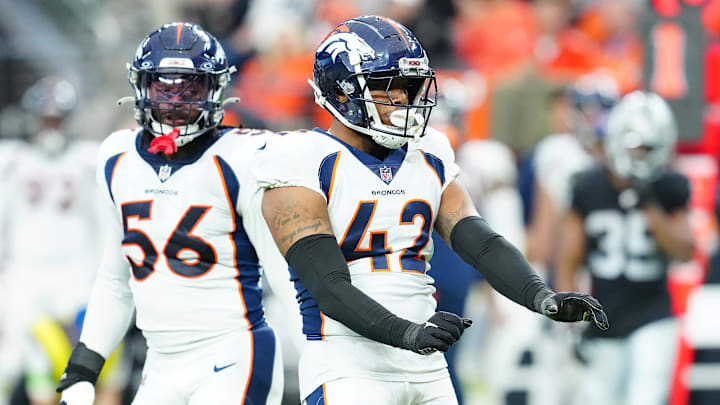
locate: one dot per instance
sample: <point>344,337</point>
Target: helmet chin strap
<point>319,98</point>
<point>157,128</point>
<point>125,100</point>
<point>389,141</point>
<point>381,138</point>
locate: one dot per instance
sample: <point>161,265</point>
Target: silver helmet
<point>641,136</point>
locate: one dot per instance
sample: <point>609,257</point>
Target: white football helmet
<point>641,136</point>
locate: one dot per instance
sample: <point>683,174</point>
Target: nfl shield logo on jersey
<point>164,172</point>
<point>386,174</point>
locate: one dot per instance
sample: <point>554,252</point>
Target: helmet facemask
<point>173,99</point>
<point>642,156</point>
<point>412,99</point>
<point>355,106</point>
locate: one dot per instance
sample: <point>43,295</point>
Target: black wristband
<point>84,365</point>
<point>504,267</point>
<point>320,265</point>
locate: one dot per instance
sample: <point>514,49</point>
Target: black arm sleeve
<point>499,262</point>
<point>320,264</point>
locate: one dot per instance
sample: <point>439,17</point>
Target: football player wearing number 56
<point>353,208</point>
<point>180,250</point>
<point>628,218</point>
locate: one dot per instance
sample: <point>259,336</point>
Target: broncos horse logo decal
<point>346,42</point>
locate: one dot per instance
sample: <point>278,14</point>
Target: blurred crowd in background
<point>484,51</point>
<point>513,75</point>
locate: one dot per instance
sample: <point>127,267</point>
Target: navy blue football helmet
<point>374,53</point>
<point>593,96</point>
<point>179,74</point>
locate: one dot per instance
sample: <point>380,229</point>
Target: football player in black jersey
<point>628,219</point>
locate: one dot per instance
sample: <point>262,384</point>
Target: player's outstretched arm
<point>299,222</point>
<point>108,316</point>
<point>503,265</point>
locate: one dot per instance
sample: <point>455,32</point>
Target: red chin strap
<point>165,143</point>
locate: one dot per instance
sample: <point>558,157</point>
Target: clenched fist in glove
<point>438,333</point>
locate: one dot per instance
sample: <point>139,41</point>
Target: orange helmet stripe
<point>339,28</point>
<point>179,31</point>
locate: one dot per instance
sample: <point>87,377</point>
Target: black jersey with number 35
<point>629,271</point>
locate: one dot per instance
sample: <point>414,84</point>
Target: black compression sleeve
<point>504,267</point>
<point>320,264</point>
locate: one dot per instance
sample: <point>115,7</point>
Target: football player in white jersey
<point>352,209</point>
<point>179,251</point>
<point>46,178</point>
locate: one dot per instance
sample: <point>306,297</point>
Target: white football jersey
<point>382,214</point>
<point>49,242</point>
<point>46,196</point>
<point>557,158</point>
<point>49,222</point>
<point>185,258</point>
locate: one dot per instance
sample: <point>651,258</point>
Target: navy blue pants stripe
<point>262,367</point>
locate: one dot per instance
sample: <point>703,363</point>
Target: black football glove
<point>438,333</point>
<point>574,307</point>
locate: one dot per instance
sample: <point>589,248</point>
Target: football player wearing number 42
<point>179,252</point>
<point>628,218</point>
<point>353,207</point>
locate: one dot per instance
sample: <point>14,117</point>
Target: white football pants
<point>631,371</point>
<point>363,391</point>
<point>243,368</point>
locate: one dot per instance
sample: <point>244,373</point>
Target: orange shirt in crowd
<point>620,54</point>
<point>277,92</point>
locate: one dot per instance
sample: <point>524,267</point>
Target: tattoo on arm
<point>447,220</point>
<point>292,216</point>
<point>455,205</point>
<point>288,235</point>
